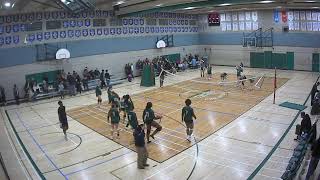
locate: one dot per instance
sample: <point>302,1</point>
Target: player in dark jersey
<point>148,118</point>
<point>132,119</point>
<point>98,95</point>
<point>209,72</point>
<point>202,68</point>
<point>187,117</point>
<point>115,119</point>
<point>128,105</point>
<point>63,119</point>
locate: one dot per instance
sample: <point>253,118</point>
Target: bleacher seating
<point>297,158</point>
<point>92,84</point>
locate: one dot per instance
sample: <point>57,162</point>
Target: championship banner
<point>276,16</point>
<point>254,15</point>
<point>214,19</point>
<point>284,16</point>
<point>290,15</point>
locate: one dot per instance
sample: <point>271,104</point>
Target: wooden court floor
<point>215,106</point>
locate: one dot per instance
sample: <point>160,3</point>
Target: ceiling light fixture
<point>189,8</point>
<point>315,7</point>
<point>7,4</point>
<point>13,5</point>
<point>310,1</point>
<point>64,1</point>
<point>225,4</point>
<point>265,2</point>
<point>120,2</point>
<point>159,5</point>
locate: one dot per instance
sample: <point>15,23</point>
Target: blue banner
<point>77,33</point>
<point>99,32</point>
<point>47,35</point>
<point>15,39</point>
<point>8,40</point>
<point>276,16</point>
<point>63,34</point>
<point>39,36</point>
<point>85,32</point>
<point>106,31</point>
<point>1,41</point>
<point>55,34</point>
<point>70,33</point>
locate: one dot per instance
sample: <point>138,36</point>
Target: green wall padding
<point>257,60</point>
<point>173,57</point>
<point>279,60</point>
<point>290,60</point>
<point>315,62</point>
<point>148,76</point>
<point>38,77</point>
<point>268,59</point>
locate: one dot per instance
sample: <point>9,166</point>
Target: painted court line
<point>42,150</point>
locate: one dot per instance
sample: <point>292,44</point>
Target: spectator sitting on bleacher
<point>85,72</point>
<point>305,127</point>
<point>315,157</point>
<point>96,73</point>
<point>85,83</point>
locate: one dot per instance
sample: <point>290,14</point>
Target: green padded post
<point>290,60</point>
<point>148,76</point>
<point>268,59</point>
<point>315,62</point>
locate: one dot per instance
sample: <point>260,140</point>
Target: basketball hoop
<point>62,54</point>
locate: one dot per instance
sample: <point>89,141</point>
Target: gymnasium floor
<point>233,150</point>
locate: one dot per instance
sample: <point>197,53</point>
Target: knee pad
<point>159,128</point>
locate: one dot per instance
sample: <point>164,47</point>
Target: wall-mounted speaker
<point>285,29</point>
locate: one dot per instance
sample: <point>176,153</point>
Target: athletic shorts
<point>189,125</point>
<point>153,124</point>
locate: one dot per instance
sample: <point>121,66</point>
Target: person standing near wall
<point>3,96</point>
<point>98,95</point>
<point>63,119</point>
<point>102,79</point>
<point>16,93</point>
<point>162,75</point>
<point>202,68</point>
<point>142,152</point>
<point>107,76</point>
<point>314,90</point>
<point>315,157</point>
<point>61,90</point>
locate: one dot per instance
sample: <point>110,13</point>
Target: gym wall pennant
<point>284,16</point>
<point>276,16</point>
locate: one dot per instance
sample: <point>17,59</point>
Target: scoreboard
<point>214,19</point>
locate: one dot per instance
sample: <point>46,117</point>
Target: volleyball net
<point>209,89</point>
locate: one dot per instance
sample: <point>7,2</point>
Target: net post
<point>275,85</point>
